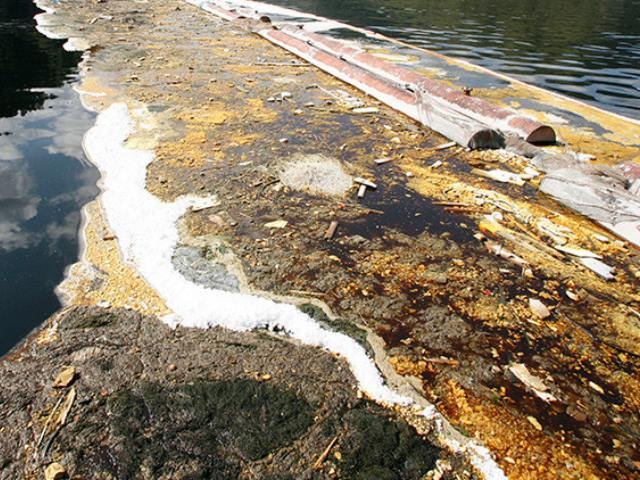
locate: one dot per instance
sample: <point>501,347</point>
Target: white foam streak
<point>147,233</point>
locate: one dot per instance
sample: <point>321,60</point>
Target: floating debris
<point>365,182</point>
<point>365,110</point>
<point>601,268</point>
<point>534,421</point>
<point>445,146</point>
<point>532,382</point>
<point>539,308</point>
<point>529,173</point>
<point>65,377</point>
<point>276,224</point>
<point>331,231</point>
<point>577,252</point>
<point>500,176</point>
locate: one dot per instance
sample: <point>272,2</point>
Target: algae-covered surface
<point>151,402</point>
<point>413,263</point>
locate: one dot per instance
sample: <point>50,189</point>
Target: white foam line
<point>147,233</point>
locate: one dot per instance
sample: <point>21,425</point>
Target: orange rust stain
<point>521,449</point>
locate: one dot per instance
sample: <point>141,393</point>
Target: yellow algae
<point>256,68</point>
<point>186,152</point>
<point>257,110</point>
<point>102,277</point>
<point>214,114</point>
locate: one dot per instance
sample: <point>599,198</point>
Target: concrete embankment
<point>494,320</point>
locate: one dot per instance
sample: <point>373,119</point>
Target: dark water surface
<point>44,176</point>
<point>586,49</point>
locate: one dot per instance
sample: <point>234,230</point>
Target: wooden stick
<point>325,454</point>
<point>363,181</point>
<point>46,424</point>
<point>444,146</point>
<point>331,230</point>
<point>443,361</point>
<point>361,191</point>
<point>307,292</point>
<point>453,204</point>
<point>66,408</point>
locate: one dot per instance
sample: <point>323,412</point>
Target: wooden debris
<point>557,233</point>
<point>364,110</point>
<point>65,377</point>
<point>66,407</point>
<point>529,173</point>
<point>596,387</point>
<point>307,292</point>
<point>363,181</point>
<point>534,421</point>
<point>49,419</point>
<point>362,190</point>
<point>331,231</point>
<point>598,267</point>
<point>325,454</point>
<point>382,161</point>
<point>572,295</point>
<point>502,252</point>
<point>445,146</point>
<point>452,204</point>
<point>277,224</point>
<point>577,252</point>
<point>58,420</point>
<point>538,308</point>
<point>436,164</point>
<point>500,176</point>
<point>532,382</point>
<point>601,238</point>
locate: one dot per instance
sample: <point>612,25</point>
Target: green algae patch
<point>376,446</point>
<point>83,317</point>
<point>203,427</point>
<point>337,324</point>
